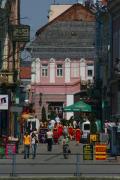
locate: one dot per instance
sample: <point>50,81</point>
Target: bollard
<point>13,164</point>
<point>77,165</point>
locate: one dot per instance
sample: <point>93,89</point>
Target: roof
<point>74,6</point>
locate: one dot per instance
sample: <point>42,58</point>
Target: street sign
<point>87,152</point>
<point>100,151</point>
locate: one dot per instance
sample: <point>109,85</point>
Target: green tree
<point>44,114</point>
<point>52,115</point>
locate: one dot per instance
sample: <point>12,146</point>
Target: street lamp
<point>40,101</point>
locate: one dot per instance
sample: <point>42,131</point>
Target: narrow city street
<point>60,83</point>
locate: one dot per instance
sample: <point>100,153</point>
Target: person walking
<point>66,149</point>
<point>34,141</point>
<point>49,139</point>
<point>26,142</point>
<point>78,134</point>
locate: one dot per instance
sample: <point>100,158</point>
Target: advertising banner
<point>10,150</point>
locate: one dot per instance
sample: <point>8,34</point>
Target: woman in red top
<point>55,135</point>
<point>60,130</point>
<point>78,135</point>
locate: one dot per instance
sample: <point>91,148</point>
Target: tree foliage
<point>44,114</point>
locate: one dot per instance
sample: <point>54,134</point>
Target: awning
<point>79,106</point>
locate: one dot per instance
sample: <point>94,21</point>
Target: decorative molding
<point>37,60</point>
<point>52,60</point>
<point>67,60</point>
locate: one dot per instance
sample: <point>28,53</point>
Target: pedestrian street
<point>53,163</point>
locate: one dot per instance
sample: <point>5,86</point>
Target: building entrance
<point>55,109</point>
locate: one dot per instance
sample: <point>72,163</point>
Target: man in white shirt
<point>57,119</point>
<point>50,139</point>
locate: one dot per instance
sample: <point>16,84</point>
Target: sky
<point>35,12</point>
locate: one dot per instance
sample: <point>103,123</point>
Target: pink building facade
<point>63,57</point>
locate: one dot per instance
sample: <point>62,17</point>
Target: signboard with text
<point>3,102</point>
<point>21,33</point>
<point>87,152</point>
<point>100,151</point>
<point>94,138</point>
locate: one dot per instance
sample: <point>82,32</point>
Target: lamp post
<point>40,103</point>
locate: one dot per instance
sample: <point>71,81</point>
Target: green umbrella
<point>79,106</point>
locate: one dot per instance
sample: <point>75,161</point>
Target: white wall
<point>67,70</point>
<point>37,70</point>
<point>52,71</point>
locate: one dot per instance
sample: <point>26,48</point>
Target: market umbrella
<point>79,106</point>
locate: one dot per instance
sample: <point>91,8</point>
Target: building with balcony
<point>63,56</point>
<point>10,45</point>
<point>114,9</point>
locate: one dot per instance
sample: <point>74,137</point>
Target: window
<point>59,70</point>
<point>44,70</point>
<point>90,72</point>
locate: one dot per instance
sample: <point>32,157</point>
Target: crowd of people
<point>56,133</point>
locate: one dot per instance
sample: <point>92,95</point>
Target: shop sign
<point>94,138</point>
<point>87,152</point>
<point>3,102</point>
<point>100,151</point>
<point>21,33</point>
